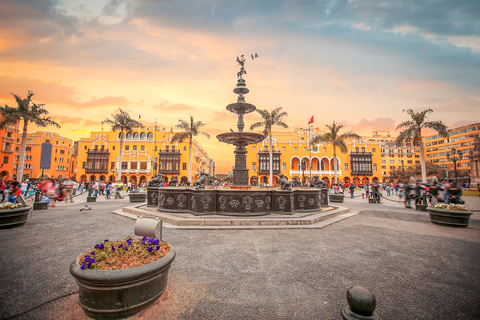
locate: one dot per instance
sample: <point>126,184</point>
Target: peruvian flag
<point>311,120</point>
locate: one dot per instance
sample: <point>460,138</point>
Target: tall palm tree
<point>270,119</point>
<point>28,111</point>
<point>123,122</point>
<point>334,137</point>
<point>189,130</point>
<point>413,132</point>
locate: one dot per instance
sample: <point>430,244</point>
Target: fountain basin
<point>231,202</point>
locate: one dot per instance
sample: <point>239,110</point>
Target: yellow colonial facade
<point>147,151</point>
<point>60,164</point>
<point>368,158</point>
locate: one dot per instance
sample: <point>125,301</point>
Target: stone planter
<point>451,218</point>
<point>336,197</point>
<point>116,293</point>
<point>137,197</point>
<point>17,217</point>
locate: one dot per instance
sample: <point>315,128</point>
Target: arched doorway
<point>275,180</point>
<point>102,178</point>
<point>45,176</point>
<point>143,179</point>
<point>4,175</point>
<point>265,179</point>
<point>253,178</point>
<point>124,179</point>
<point>166,179</point>
<point>60,177</point>
<point>111,178</point>
<point>92,178</point>
<point>184,180</point>
<point>133,180</point>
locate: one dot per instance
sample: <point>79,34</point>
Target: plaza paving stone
<point>416,270</point>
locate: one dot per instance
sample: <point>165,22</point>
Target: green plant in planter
<point>9,205</point>
<point>451,206</point>
<point>123,254</point>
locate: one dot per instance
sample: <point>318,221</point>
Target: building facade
<point>438,150</point>
<point>7,153</point>
<point>147,151</point>
<point>367,159</point>
<point>60,163</point>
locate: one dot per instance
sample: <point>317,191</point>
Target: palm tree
<point>189,130</point>
<point>123,122</point>
<point>270,119</point>
<point>334,137</point>
<point>28,111</point>
<point>413,132</point>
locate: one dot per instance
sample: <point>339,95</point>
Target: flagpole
<point>310,148</point>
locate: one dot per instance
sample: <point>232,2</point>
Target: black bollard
<point>361,305</point>
<point>89,197</point>
<point>37,205</point>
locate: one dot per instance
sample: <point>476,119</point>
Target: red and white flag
<point>139,116</point>
<point>311,120</point>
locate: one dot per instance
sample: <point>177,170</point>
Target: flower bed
<point>451,215</point>
<point>119,278</point>
<point>123,254</point>
<point>13,215</point>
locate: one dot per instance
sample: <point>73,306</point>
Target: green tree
<point>189,130</point>
<point>413,132</point>
<point>123,122</point>
<point>29,112</point>
<point>270,119</point>
<point>334,137</point>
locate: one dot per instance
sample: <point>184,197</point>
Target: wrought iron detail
<point>181,201</point>
<point>301,201</point>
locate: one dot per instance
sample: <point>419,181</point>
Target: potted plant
<point>453,215</point>
<point>119,278</point>
<point>137,196</point>
<point>13,214</point>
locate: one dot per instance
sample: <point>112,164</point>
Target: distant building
<point>146,152</point>
<point>462,139</point>
<point>9,141</point>
<point>60,158</point>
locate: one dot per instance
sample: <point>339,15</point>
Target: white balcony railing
<point>315,172</point>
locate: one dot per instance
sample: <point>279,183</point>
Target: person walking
<point>352,190</point>
<point>68,189</point>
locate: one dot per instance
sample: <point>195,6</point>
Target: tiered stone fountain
<point>239,199</point>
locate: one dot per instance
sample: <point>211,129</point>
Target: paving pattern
<point>417,270</point>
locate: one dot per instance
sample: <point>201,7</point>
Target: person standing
<point>68,188</point>
<point>352,190</point>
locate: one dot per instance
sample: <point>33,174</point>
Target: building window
<point>16,148</point>
<point>135,147</point>
<point>5,159</point>
<point>113,147</point>
<point>112,165</point>
<point>384,167</point>
<point>374,167</point>
<point>184,148</point>
<point>284,166</point>
<point>85,148</point>
<point>295,149</point>
<point>254,148</point>
<point>27,149</point>
<point>304,148</point>
<point>374,150</point>
<point>133,165</point>
<point>55,158</point>
<point>142,147</point>
<point>324,149</point>
<point>63,151</point>
<point>127,147</point>
<point>284,149</point>
<point>254,166</point>
<point>184,166</point>
<point>345,165</point>
<point>124,165</point>
<point>56,151</point>
<point>143,165</point>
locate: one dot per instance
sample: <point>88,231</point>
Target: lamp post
<point>403,171</point>
<point>455,159</point>
<point>113,174</point>
<point>304,165</point>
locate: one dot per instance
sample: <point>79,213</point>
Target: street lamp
<point>403,171</point>
<point>304,166</point>
<point>455,159</point>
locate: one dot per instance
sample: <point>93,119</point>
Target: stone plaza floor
<point>417,270</point>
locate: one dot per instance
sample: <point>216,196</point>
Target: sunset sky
<point>356,62</point>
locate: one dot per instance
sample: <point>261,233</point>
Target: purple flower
<point>158,248</point>
<point>120,246</point>
<point>106,240</point>
<point>101,246</point>
<point>92,253</point>
<point>150,249</point>
<point>97,246</point>
<point>113,248</point>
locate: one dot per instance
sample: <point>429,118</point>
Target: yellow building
<point>369,158</point>
<point>9,137</point>
<point>60,158</point>
<point>438,149</point>
<point>98,156</point>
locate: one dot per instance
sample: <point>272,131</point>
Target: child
<point>11,197</point>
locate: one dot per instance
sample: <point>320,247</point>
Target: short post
<point>89,197</point>
<point>38,205</point>
<point>361,305</point>
<point>148,227</point>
